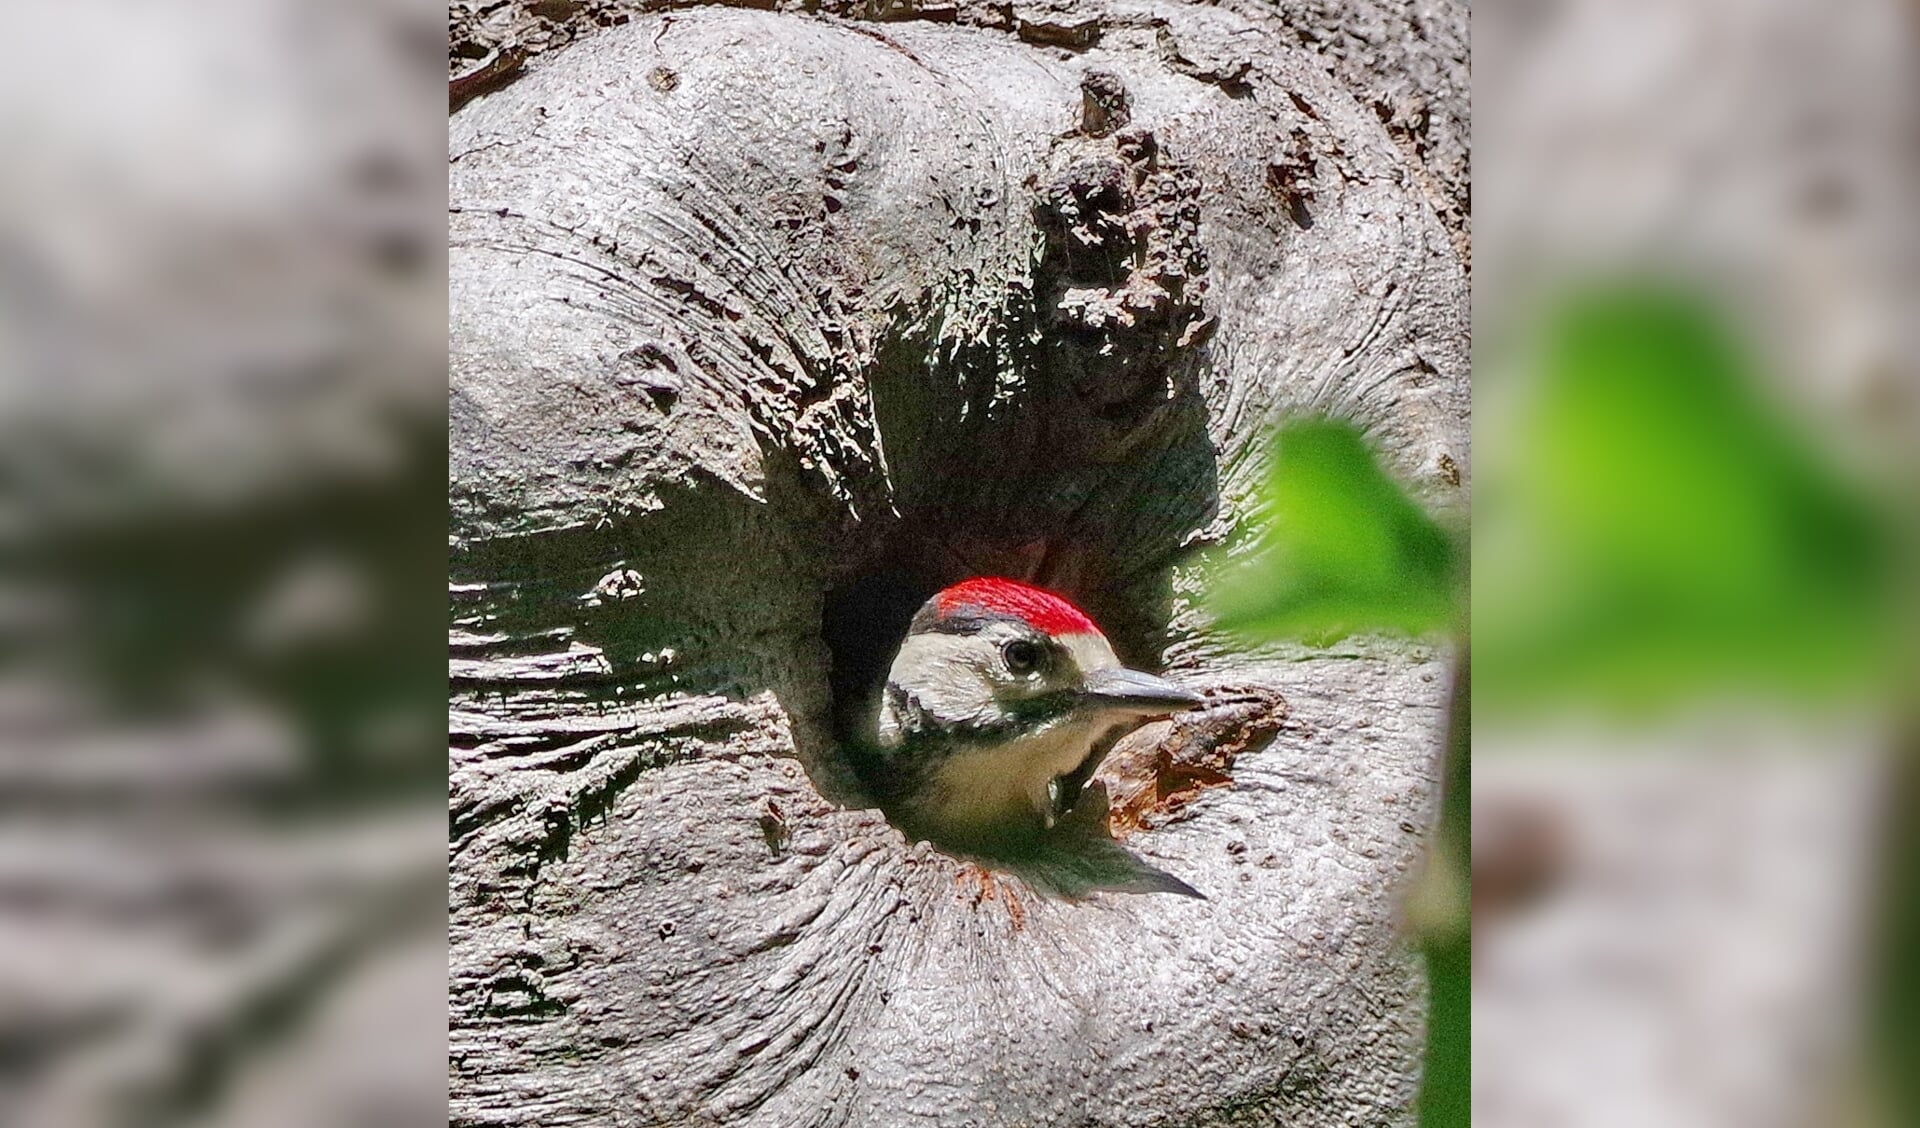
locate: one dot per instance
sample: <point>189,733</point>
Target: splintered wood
<point>1156,771</point>
<point>982,885</point>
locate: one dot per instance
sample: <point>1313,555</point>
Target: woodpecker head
<point>997,708</point>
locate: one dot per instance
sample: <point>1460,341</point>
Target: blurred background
<point>222,468</point>
<point>1695,395</point>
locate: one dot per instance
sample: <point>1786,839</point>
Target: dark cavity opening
<point>862,624</point>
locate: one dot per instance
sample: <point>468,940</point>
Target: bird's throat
<point>998,793</point>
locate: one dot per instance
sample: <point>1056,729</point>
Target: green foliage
<point>1343,548</point>
<point>1653,533</point>
<point>1647,535</point>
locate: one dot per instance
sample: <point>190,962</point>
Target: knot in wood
<point>1124,272</point>
<point>1105,105</point>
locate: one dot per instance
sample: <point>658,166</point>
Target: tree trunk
<point>764,327</point>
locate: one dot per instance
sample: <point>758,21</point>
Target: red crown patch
<point>1041,608</point>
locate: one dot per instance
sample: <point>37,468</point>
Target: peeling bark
<point>766,326</point>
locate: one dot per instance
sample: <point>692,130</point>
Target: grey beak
<point>1141,695</point>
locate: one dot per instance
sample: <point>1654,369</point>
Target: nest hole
<point>1021,476</point>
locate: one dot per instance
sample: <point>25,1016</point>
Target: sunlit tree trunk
<point>765,326</point>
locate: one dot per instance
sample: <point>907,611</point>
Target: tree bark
<point>764,327</point>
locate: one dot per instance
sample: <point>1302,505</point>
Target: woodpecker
<point>1001,702</point>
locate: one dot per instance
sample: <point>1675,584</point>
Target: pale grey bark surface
<point>766,325</point>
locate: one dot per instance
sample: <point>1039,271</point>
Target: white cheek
<point>955,691</point>
<point>943,673</point>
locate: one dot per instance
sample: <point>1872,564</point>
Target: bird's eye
<point>1022,657</point>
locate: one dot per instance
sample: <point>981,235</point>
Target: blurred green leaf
<point>1655,532</point>
<point>1343,549</point>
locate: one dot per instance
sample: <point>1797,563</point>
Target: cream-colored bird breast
<point>1002,784</point>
